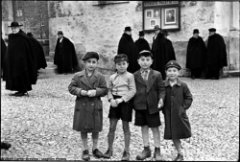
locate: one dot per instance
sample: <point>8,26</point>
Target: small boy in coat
<point>88,85</point>
<point>122,88</point>
<point>178,99</point>
<point>147,103</point>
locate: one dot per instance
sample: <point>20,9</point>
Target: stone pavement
<point>40,126</point>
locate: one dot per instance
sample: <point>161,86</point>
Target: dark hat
<point>156,27</point>
<point>89,55</point>
<point>128,28</point>
<point>212,30</point>
<point>14,24</point>
<point>195,31</point>
<point>29,34</point>
<point>60,33</point>
<point>172,63</point>
<point>145,53</point>
<point>165,32</point>
<point>141,33</point>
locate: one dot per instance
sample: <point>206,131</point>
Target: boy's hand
<point>113,103</point>
<point>160,103</point>
<point>84,93</point>
<point>119,100</point>
<point>91,93</point>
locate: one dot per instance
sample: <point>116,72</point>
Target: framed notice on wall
<point>165,14</point>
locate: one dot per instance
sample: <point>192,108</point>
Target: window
<point>166,14</point>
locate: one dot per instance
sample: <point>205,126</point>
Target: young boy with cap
<point>177,100</point>
<point>121,90</point>
<point>88,86</point>
<point>147,103</point>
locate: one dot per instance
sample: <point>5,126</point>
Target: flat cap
<point>128,28</point>
<point>60,33</point>
<point>145,53</point>
<point>172,63</point>
<point>89,55</point>
<point>195,31</point>
<point>141,33</point>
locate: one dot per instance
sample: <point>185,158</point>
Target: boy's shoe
<point>85,155</point>
<point>145,154</point>
<point>157,154</point>
<point>179,157</point>
<point>97,153</point>
<point>126,156</point>
<point>108,154</point>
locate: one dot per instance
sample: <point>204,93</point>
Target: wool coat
<point>65,57</point>
<point>3,54</point>
<point>21,69</point>
<point>127,46</point>
<point>88,112</point>
<point>178,99</point>
<point>148,93</point>
<point>163,52</point>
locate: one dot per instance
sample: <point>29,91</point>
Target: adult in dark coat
<point>21,71</point>
<point>127,46</point>
<point>196,54</point>
<point>38,52</point>
<point>216,54</point>
<point>163,52</point>
<point>142,43</point>
<point>3,54</point>
<point>65,55</point>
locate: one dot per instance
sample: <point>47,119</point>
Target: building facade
<point>98,25</point>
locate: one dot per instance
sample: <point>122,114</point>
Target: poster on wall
<point>170,18</point>
<point>152,18</point>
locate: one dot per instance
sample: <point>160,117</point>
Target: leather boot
<point>145,154</point>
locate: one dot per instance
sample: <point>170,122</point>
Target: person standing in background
<point>65,55</point>
<point>196,54</point>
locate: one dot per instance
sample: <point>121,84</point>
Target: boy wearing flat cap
<point>88,86</point>
<point>147,103</point>
<point>177,100</point>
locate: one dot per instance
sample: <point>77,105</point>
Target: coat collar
<point>151,79</point>
<point>168,84</point>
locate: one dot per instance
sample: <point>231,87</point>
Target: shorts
<point>123,111</point>
<point>143,118</point>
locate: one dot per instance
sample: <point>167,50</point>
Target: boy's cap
<point>120,57</point>
<point>89,55</point>
<point>212,30</point>
<point>128,28</point>
<point>172,63</point>
<point>145,53</point>
<point>195,31</point>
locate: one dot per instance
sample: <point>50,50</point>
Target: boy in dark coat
<point>177,100</point>
<point>147,103</point>
<point>21,70</point>
<point>88,86</point>
<point>38,51</point>
<point>121,90</point>
<point>216,54</point>
<point>127,46</point>
<point>196,54</point>
<point>65,55</point>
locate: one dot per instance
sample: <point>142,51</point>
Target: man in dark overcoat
<point>162,52</point>
<point>21,71</point>
<point>127,46</point>
<point>3,54</point>
<point>216,54</point>
<point>142,43</point>
<point>38,52</point>
<point>196,54</point>
<point>65,55</point>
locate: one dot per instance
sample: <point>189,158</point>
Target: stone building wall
<point>99,28</point>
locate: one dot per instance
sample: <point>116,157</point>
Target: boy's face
<point>145,62</point>
<point>122,66</point>
<point>172,73</point>
<point>91,64</point>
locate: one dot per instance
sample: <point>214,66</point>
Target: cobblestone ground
<point>40,126</point>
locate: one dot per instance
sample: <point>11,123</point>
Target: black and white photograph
<point>120,80</point>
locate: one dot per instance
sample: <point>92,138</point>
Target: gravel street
<point>40,126</point>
